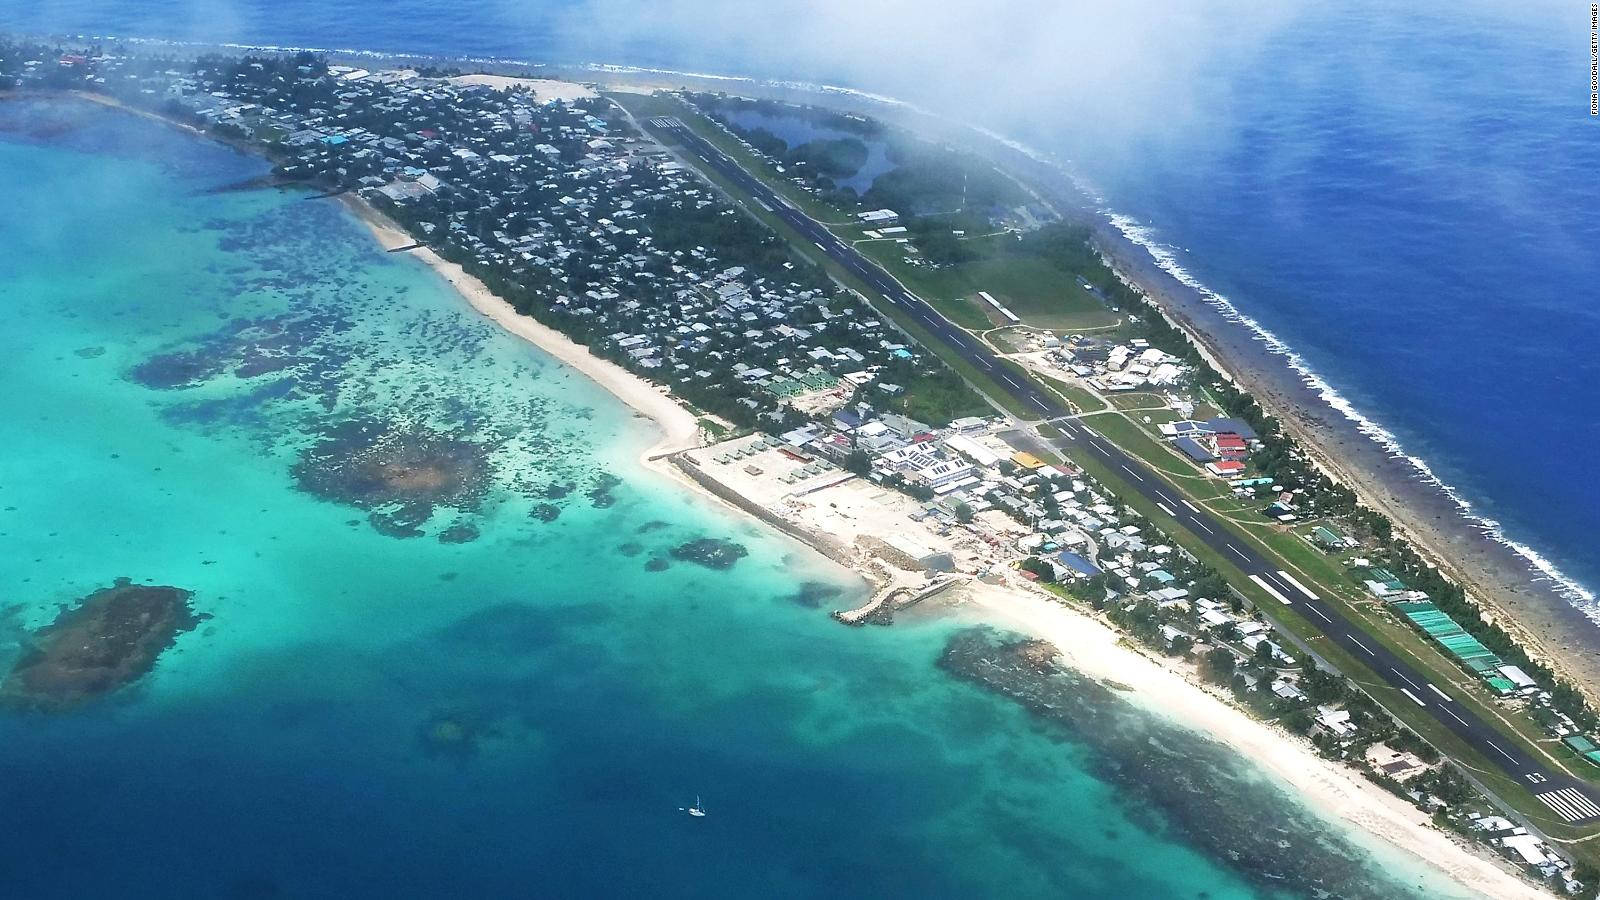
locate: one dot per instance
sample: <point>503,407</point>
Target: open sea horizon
<point>525,713</point>
<point>1420,202</point>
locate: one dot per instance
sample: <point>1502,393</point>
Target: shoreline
<point>1097,650</point>
<point>679,429</point>
<point>1159,686</point>
<point>1510,592</point>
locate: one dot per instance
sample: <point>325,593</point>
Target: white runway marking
<point>1570,805</point>
<point>1262,583</point>
<point>1297,585</point>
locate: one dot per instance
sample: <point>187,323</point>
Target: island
<point>935,375</point>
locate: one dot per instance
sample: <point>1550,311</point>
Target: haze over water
<point>522,714</point>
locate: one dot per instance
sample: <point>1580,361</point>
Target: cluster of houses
<point>1529,849</point>
<point>585,222</point>
<point>1114,367</point>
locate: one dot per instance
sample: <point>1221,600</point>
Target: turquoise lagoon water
<point>523,714</point>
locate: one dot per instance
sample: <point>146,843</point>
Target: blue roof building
<point>1077,563</point>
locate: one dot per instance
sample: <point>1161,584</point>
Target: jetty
<point>893,596</point>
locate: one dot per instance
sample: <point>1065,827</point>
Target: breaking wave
<point>1166,258</point>
<point>1140,234</point>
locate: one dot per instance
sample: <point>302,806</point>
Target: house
<point>1194,450</point>
<point>879,217</point>
<point>1076,565</point>
<point>1225,467</point>
<point>1393,763</point>
<point>1335,722</point>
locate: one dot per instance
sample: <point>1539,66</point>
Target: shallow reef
<point>400,473</point>
<point>110,639</point>
<point>713,553</point>
<point>1185,782</point>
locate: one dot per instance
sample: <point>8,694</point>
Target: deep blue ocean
<point>1405,198</point>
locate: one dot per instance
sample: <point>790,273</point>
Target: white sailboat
<point>698,810</point>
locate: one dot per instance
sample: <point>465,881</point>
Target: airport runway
<point>1570,799</point>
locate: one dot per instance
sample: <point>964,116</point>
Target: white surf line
<point>1442,695</point>
<point>1414,698</point>
<point>1163,508</point>
<point>1133,473</point>
<point>1190,506</point>
<point>1320,614</point>
<point>1497,748</point>
<point>1262,583</point>
<point>1404,678</point>
<point>1297,585</point>
<point>1357,642</point>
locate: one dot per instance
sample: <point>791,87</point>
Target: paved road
<point>1570,799</point>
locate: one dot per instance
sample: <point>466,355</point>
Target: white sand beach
<point>679,428</point>
<point>544,89</point>
<point>1096,650</point>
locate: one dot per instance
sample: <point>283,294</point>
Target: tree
<point>1218,665</point>
<point>963,512</point>
<point>1038,567</point>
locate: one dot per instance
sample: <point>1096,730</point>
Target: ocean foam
<point>1166,257</point>
<point>1142,235</point>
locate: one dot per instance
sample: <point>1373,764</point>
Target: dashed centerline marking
<point>1404,678</point>
<point>1453,715</point>
<point>1320,614</point>
<point>1498,750</point>
<point>1358,643</point>
<point>1204,526</point>
<point>1133,473</point>
<point>1239,552</point>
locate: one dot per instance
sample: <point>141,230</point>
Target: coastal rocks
<point>110,639</point>
<point>1186,783</point>
<point>713,553</point>
<point>601,496</point>
<point>812,594</point>
<point>459,533</point>
<point>544,512</point>
<point>400,473</point>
